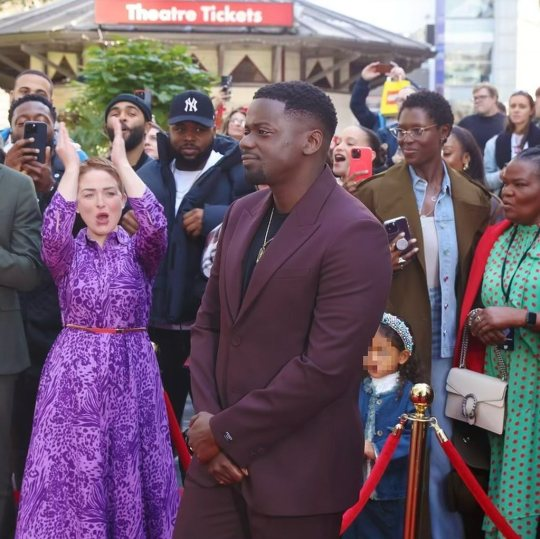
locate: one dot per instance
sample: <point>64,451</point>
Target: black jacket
<point>503,143</point>
<point>179,285</point>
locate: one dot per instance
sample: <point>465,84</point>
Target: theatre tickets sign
<point>194,13</point>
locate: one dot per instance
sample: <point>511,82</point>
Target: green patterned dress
<point>514,483</point>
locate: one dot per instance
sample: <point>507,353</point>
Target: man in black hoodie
<point>198,175</point>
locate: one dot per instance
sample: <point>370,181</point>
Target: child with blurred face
<point>384,357</point>
<point>384,397</point>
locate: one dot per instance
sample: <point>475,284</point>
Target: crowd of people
<point>251,269</point>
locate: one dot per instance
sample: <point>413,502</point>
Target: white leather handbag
<point>475,398</point>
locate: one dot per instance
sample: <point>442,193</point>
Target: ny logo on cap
<point>191,105</point>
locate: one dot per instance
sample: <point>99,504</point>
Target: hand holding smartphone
<point>383,68</point>
<point>38,132</point>
<point>226,82</point>
<point>360,163</point>
<point>396,226</point>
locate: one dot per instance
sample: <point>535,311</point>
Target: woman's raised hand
<point>65,149</point>
<point>134,186</point>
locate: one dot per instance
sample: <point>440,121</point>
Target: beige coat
<point>390,195</point>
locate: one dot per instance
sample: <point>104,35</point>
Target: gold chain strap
<point>501,366</point>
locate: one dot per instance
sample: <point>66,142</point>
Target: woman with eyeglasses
<point>520,133</point>
<point>234,124</point>
<point>446,214</point>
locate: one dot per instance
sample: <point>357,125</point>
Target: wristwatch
<point>530,320</point>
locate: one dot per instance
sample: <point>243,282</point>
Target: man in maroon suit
<point>297,290</point>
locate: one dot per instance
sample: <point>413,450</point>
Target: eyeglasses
<point>414,133</point>
<point>237,121</point>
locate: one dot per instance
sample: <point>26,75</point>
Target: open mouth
<point>102,218</point>
<point>339,158</point>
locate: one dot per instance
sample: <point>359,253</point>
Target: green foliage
<point>122,67</point>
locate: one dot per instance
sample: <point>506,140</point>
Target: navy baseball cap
<point>192,106</point>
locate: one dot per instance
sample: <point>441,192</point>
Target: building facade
<point>316,44</point>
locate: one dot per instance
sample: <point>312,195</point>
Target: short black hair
<point>434,104</point>
<point>35,72</point>
<point>303,98</point>
<point>531,155</point>
<point>31,97</point>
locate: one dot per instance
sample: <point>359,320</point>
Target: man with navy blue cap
<point>198,175</point>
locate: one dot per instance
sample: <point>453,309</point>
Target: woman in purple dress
<point>100,463</point>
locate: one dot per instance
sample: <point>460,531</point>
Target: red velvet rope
<point>176,435</point>
<point>373,480</point>
<point>476,490</point>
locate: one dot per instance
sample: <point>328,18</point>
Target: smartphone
<point>226,82</point>
<point>361,163</point>
<point>145,95</point>
<point>508,343</point>
<point>37,131</point>
<point>383,68</point>
<point>397,226</point>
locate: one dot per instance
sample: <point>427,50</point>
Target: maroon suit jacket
<point>281,368</point>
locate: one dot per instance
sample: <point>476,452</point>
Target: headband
<point>400,328</point>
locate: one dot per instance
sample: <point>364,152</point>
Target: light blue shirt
<point>448,256</point>
<point>492,171</point>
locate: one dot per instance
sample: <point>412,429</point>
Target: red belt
<point>104,330</point>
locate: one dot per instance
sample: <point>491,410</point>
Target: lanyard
<point>506,291</point>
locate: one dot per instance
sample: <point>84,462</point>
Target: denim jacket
<point>380,413</point>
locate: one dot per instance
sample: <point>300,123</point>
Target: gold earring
<point>466,166</point>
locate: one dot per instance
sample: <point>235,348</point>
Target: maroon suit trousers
<point>221,513</point>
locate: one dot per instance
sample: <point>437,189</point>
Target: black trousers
<point>173,349</point>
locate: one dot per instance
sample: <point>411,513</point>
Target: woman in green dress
<point>509,290</point>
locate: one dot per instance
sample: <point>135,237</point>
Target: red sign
<point>192,13</point>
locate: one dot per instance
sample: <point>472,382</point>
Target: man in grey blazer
<point>20,226</point>
<point>297,290</point>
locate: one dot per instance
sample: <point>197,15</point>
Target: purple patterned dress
<point>100,463</point>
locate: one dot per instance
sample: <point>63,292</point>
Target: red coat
<point>476,350</point>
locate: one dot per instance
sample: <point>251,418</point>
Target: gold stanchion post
<point>421,396</point>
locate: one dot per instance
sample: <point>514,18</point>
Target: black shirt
<point>483,128</point>
<point>142,161</point>
<point>250,260</point>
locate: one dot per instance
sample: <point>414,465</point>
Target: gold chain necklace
<point>265,241</point>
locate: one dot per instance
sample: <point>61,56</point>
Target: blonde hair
<point>493,92</point>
